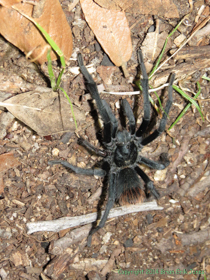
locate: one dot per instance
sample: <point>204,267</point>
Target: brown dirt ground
<point>147,245</point>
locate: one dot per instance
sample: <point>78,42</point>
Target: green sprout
<point>181,92</point>
<point>54,84</point>
<point>189,104</point>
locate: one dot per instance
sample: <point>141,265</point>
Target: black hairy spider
<point>122,148</point>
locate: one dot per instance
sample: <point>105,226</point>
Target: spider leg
<point>110,203</point>
<point>81,141</point>
<point>114,122</point>
<point>129,114</point>
<point>90,171</point>
<point>162,164</point>
<point>163,121</point>
<point>102,106</point>
<point>149,184</point>
<point>147,107</point>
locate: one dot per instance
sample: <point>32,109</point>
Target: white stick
<point>68,222</point>
<point>135,92</point>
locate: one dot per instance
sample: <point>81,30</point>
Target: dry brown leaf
<point>153,44</point>
<point>109,265</point>
<point>27,37</point>
<point>111,29</point>
<point>20,258</point>
<point>164,8</point>
<point>9,3</point>
<point>44,111</point>
<point>108,4</point>
<point>12,83</point>
<point>7,161</point>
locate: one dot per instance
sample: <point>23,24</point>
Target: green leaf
<point>50,70</point>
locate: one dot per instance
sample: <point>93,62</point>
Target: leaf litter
<point>194,215</point>
<point>7,161</point>
<point>153,43</point>
<point>44,111</point>
<point>164,8</point>
<point>28,38</point>
<point>111,29</point>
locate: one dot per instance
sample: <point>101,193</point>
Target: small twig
<point>109,266</point>
<point>203,133</point>
<point>195,237</point>
<point>195,176</point>
<point>68,222</point>
<point>58,246</point>
<point>199,187</point>
<point>95,196</point>
<point>183,150</point>
<point>185,239</point>
<point>135,92</point>
<point>202,24</point>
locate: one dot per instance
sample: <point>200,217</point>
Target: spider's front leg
<point>163,121</point>
<point>81,141</point>
<point>90,171</point>
<point>129,114</point>
<point>110,122</point>
<point>145,91</point>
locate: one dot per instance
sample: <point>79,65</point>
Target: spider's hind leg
<point>149,184</point>
<point>110,203</point>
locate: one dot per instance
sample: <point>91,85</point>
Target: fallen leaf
<point>45,111</point>
<point>153,44</point>
<point>111,29</point>
<point>108,4</point>
<point>7,161</point>
<point>20,258</point>
<point>106,73</point>
<point>28,38</point>
<point>9,3</point>
<point>163,8</point>
<point>12,83</point>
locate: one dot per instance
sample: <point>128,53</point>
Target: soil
<point>173,243</point>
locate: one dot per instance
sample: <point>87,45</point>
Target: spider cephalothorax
<point>122,148</point>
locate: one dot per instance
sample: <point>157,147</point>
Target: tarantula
<point>122,148</point>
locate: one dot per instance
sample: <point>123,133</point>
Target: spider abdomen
<point>129,189</point>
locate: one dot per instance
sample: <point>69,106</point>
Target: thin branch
<point>68,222</point>
<point>202,24</point>
<point>135,92</point>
